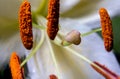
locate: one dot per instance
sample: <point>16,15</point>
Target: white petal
<point>87,11</point>
<point>92,47</point>
<point>69,65</point>
<point>7,46</point>
<point>65,5</point>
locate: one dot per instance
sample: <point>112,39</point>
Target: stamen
<point>106,29</point>
<point>25,24</point>
<point>16,70</point>
<point>53,57</point>
<point>53,76</point>
<point>35,49</point>
<point>53,18</point>
<point>108,74</point>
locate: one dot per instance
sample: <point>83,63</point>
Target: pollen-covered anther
<point>16,70</point>
<point>53,76</point>
<point>104,71</point>
<point>25,24</point>
<point>107,32</point>
<point>73,37</point>
<point>53,18</point>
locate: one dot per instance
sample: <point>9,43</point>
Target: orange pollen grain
<point>25,24</point>
<point>53,18</point>
<point>15,68</point>
<point>107,32</point>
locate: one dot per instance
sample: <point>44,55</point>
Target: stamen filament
<point>75,53</point>
<point>92,31</point>
<point>65,43</point>
<point>83,58</point>
<point>42,21</point>
<point>53,57</point>
<point>35,49</point>
<point>79,55</point>
<point>38,26</point>
<point>58,41</point>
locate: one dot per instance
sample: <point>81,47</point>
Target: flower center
<point>52,20</point>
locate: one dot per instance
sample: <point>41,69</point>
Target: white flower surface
<point>81,15</point>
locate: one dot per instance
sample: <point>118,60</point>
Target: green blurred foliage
<point>116,32</point>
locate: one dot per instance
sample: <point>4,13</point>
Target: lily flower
<point>49,57</point>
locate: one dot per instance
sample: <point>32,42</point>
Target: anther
<point>107,32</point>
<point>53,18</point>
<point>25,24</point>
<point>16,70</point>
<point>53,76</point>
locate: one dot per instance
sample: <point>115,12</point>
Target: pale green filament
<point>38,26</point>
<point>58,41</point>
<point>92,31</point>
<point>53,57</point>
<point>78,54</point>
<point>65,43</point>
<point>73,52</point>
<point>35,49</point>
<point>83,57</point>
<point>42,21</point>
